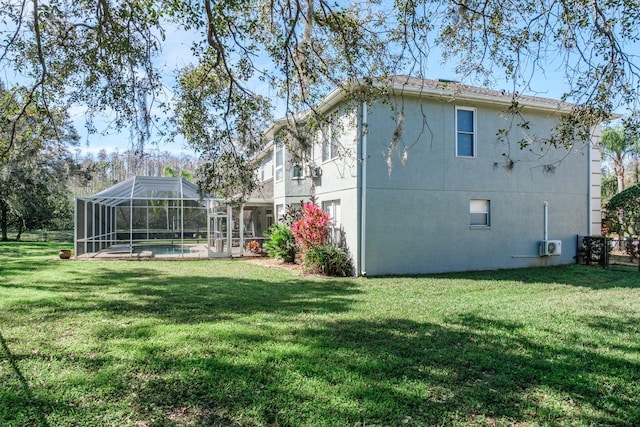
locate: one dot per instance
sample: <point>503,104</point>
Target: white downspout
<point>363,209</point>
<point>546,221</point>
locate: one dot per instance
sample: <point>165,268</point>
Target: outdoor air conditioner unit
<point>550,247</point>
<point>314,172</point>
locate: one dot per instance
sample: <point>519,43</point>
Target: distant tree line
<point>40,176</point>
<point>103,170</point>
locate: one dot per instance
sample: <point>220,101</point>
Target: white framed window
<point>465,132</point>
<point>332,209</point>
<point>279,212</point>
<point>330,138</point>
<point>279,172</point>
<point>297,172</point>
<point>479,213</point>
<point>298,169</point>
<point>269,215</point>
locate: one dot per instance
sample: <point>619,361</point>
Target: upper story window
<point>465,132</point>
<point>330,138</point>
<point>298,169</point>
<point>297,172</point>
<point>279,170</point>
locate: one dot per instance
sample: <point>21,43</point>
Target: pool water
<point>162,250</point>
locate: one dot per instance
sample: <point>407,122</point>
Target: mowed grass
<point>229,343</point>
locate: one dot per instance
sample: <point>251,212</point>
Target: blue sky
<point>177,53</point>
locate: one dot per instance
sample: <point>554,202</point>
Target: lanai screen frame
<point>96,226</point>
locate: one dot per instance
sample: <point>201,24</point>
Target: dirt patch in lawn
<point>295,268</point>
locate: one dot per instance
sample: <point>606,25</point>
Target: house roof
<point>442,89</point>
<point>147,187</point>
<point>453,90</point>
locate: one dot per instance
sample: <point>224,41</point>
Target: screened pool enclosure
<point>152,216</point>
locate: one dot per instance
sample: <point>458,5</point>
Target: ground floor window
<point>332,208</point>
<point>279,212</point>
<point>479,210</point>
<point>269,215</point>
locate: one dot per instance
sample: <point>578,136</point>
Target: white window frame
<point>269,217</point>
<point>279,212</point>
<point>330,143</point>
<point>479,207</point>
<point>473,133</point>
<point>278,160</point>
<point>332,208</point>
<point>297,167</point>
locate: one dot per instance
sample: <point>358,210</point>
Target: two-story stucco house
<point>436,180</point>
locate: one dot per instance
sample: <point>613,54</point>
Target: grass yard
<point>230,343</point>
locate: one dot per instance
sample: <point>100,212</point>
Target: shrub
<point>291,214</point>
<point>281,243</point>
<point>312,228</point>
<point>622,213</point>
<point>330,260</point>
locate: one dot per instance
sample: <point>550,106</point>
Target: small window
<point>465,132</point>
<point>297,172</point>
<point>479,213</point>
<point>269,215</point>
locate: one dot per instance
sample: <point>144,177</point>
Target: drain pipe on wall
<point>546,221</point>
<point>363,194</point>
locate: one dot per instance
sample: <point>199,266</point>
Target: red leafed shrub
<point>312,228</point>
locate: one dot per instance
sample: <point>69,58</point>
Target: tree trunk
<point>618,170</point>
<point>19,233</point>
<point>620,183</point>
<point>4,221</point>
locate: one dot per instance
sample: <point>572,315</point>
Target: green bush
<point>281,243</point>
<point>622,213</point>
<point>330,260</point>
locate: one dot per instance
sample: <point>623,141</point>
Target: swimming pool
<point>162,249</point>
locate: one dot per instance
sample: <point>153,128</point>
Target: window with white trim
<point>279,212</point>
<point>330,140</point>
<point>279,160</point>
<point>297,172</point>
<point>465,132</point>
<point>298,169</point>
<point>332,209</point>
<point>479,213</point>
<point>269,215</point>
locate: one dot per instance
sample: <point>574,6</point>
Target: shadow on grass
<point>29,409</point>
<point>334,371</point>
<point>392,372</point>
<point>252,351</point>
<point>572,275</point>
<point>146,292</point>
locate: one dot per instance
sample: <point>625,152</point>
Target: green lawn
<point>161,343</point>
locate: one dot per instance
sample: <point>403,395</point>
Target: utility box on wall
<point>550,247</point>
